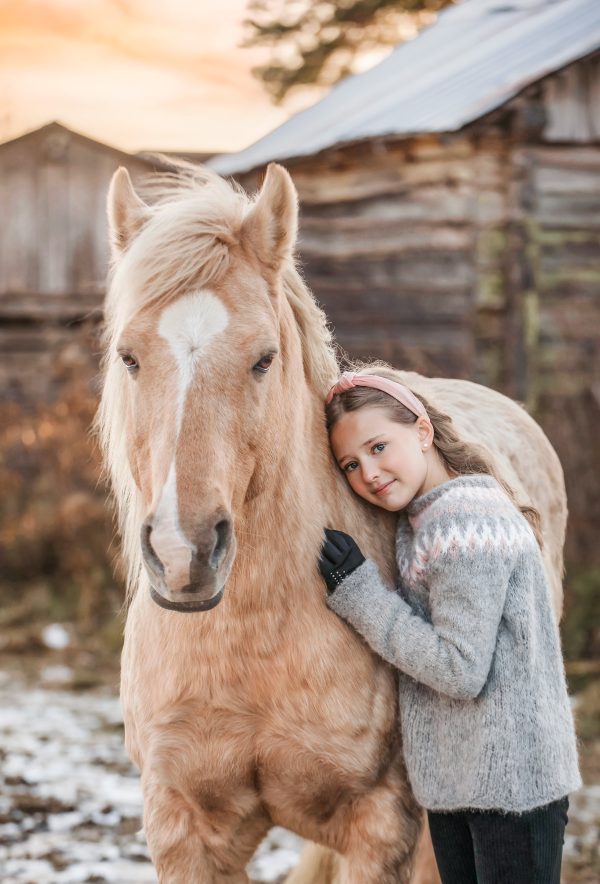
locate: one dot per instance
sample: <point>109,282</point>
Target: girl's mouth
<point>383,488</point>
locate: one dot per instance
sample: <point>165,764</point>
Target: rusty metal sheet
<point>473,59</point>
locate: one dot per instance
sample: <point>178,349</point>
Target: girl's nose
<point>370,473</point>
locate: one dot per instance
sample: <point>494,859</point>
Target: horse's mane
<point>318,348</point>
<point>194,218</point>
<point>192,221</point>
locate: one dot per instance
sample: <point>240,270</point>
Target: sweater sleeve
<point>467,576</point>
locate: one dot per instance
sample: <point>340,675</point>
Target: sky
<point>136,74</point>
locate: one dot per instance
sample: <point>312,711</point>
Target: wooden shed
<point>450,214</point>
<point>53,253</point>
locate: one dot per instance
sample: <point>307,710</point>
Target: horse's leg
<point>317,865</point>
<point>194,844</point>
<point>378,834</point>
<point>426,870</point>
<point>321,865</point>
<point>375,833</point>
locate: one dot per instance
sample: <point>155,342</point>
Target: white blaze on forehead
<point>188,326</point>
<point>168,540</point>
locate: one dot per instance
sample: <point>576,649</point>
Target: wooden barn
<point>450,214</point>
<point>53,254</point>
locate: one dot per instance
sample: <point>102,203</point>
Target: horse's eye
<point>264,364</point>
<point>129,362</point>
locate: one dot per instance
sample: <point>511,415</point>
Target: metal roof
<point>474,58</point>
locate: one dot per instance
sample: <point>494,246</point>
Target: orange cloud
<point>135,73</point>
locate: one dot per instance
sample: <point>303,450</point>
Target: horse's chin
<point>189,605</point>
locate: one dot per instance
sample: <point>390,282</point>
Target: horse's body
<point>264,708</point>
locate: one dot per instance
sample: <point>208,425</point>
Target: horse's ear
<point>271,226</point>
<point>126,211</point>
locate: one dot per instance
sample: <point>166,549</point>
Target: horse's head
<point>193,372</point>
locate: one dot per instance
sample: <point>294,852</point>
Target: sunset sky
<point>138,74</point>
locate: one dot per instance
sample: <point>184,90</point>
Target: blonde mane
<point>194,219</point>
<point>318,349</point>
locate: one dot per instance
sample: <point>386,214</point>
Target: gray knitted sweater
<point>486,719</point>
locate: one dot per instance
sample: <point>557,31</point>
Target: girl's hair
<point>459,457</point>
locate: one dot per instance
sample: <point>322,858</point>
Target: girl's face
<point>385,462</point>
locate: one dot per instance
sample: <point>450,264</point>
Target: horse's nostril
<point>148,550</point>
<point>223,532</point>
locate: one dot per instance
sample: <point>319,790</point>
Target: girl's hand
<point>340,556</point>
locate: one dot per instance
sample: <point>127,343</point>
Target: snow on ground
<point>70,801</point>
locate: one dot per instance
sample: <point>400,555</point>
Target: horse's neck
<point>281,530</point>
<point>308,495</point>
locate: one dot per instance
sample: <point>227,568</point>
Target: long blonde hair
<point>458,456</point>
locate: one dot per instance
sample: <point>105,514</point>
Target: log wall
<point>561,317</point>
<point>386,243</point>
<point>477,255</point>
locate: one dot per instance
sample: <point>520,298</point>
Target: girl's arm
<point>467,579</point>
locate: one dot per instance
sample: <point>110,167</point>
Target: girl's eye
<point>264,364</point>
<point>350,467</point>
<point>379,446</point>
<point>129,362</point>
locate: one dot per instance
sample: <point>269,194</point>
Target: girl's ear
<point>126,211</point>
<point>271,226</point>
<point>425,432</point>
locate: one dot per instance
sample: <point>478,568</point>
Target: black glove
<point>340,556</point>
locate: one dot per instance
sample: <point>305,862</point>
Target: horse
<point>246,702</point>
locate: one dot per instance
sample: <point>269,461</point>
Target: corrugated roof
<point>475,57</point>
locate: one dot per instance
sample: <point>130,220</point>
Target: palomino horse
<point>247,703</point>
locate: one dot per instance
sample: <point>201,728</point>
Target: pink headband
<point>349,380</point>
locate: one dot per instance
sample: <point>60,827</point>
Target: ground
<point>70,800</point>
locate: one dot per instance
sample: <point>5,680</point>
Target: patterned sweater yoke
<point>483,699</point>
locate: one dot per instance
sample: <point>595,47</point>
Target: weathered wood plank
<point>85,183</point>
<point>54,228</point>
<point>567,181</point>
<point>446,352</point>
<point>566,156</point>
<point>435,272</point>
<point>572,318</point>
<point>20,228</point>
<point>62,307</point>
<point>573,210</point>
<point>400,178</point>
<point>354,236</point>
<point>572,103</point>
<point>430,204</point>
<point>377,306</point>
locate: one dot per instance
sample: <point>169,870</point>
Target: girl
<point>487,728</point>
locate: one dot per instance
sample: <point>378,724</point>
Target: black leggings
<point>489,847</point>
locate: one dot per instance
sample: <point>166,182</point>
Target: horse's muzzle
<point>188,577</point>
<point>186,607</point>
